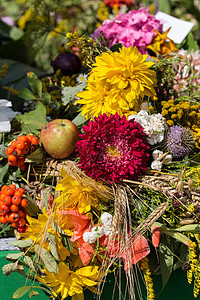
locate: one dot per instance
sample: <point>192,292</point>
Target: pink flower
<point>135,28</point>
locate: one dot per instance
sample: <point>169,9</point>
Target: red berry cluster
<point>19,148</point>
<point>12,206</point>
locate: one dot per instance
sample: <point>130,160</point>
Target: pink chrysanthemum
<point>112,148</point>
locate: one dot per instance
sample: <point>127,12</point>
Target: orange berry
<point>18,193</point>
<point>20,145</point>
<point>16,200</point>
<point>7,200</point>
<point>13,144</point>
<point>10,150</point>
<point>21,214</point>
<point>14,224</point>
<point>13,186</point>
<point>23,168</point>
<point>26,149</point>
<point>7,217</point>
<point>35,141</point>
<point>3,220</point>
<point>14,207</point>
<point>30,137</point>
<point>4,209</point>
<point>24,203</point>
<point>17,152</point>
<point>21,222</point>
<point>5,186</point>
<point>21,229</point>
<point>13,217</point>
<point>22,138</point>
<point>21,161</point>
<point>21,190</point>
<point>9,191</point>
<point>2,197</point>
<point>12,159</point>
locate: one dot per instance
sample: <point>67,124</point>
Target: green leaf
<point>183,250</point>
<point>21,243</point>
<point>13,256</point>
<point>66,242</point>
<point>57,228</point>
<point>178,236</point>
<point>52,240</point>
<point>79,120</point>
<point>191,228</point>
<point>45,198</point>
<point>15,33</point>
<point>37,156</point>
<point>32,209</point>
<point>3,151</point>
<point>116,47</point>
<point>47,98</point>
<point>21,291</point>
<point>44,289</point>
<point>3,172</point>
<point>166,259</point>
<point>70,92</point>
<point>26,94</point>
<point>47,259</point>
<point>35,119</point>
<point>29,262</point>
<point>191,43</point>
<point>164,6</point>
<point>9,268</point>
<point>35,83</point>
<point>33,293</point>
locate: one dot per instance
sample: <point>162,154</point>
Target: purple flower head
<point>135,28</point>
<point>179,141</point>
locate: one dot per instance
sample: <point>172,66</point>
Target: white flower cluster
<point>99,230</point>
<point>153,125</point>
<point>157,164</point>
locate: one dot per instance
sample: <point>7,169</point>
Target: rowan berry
<point>7,217</point>
<point>7,200</point>
<point>22,138</point>
<point>21,190</point>
<point>17,152</point>
<point>4,209</point>
<point>18,193</point>
<point>9,191</point>
<point>13,217</point>
<point>30,137</point>
<point>21,229</point>
<point>22,168</point>
<point>24,203</point>
<point>16,200</point>
<point>2,196</point>
<point>21,214</point>
<point>35,141</point>
<point>20,145</point>
<point>3,220</point>
<point>21,222</point>
<point>21,161</point>
<point>26,149</point>
<point>10,150</point>
<point>12,160</point>
<point>14,207</point>
<point>14,224</point>
<point>13,144</point>
<point>5,186</point>
<point>13,186</point>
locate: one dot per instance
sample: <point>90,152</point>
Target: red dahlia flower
<point>112,148</point>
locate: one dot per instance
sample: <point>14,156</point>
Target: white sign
<point>179,28</point>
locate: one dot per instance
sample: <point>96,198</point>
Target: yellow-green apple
<point>59,137</point>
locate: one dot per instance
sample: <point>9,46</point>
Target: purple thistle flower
<point>179,141</point>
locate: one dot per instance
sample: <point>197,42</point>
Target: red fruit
<point>24,203</point>
<point>12,160</point>
<point>16,200</point>
<point>59,137</point>
<point>156,235</point>
<point>9,191</point>
<point>14,224</point>
<point>21,222</point>
<point>4,209</point>
<point>20,145</point>
<point>13,144</point>
<point>14,207</point>
<point>3,220</point>
<point>21,229</point>
<point>21,190</point>
<point>13,186</point>
<point>2,197</point>
<point>5,186</point>
<point>21,161</point>
<point>18,193</point>
<point>35,141</point>
<point>26,149</point>
<point>30,137</point>
<point>23,168</point>
<point>21,214</point>
<point>10,150</point>
<point>22,138</point>
<point>13,217</point>
<point>7,200</point>
<point>7,217</point>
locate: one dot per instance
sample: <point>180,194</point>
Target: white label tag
<point>179,28</point>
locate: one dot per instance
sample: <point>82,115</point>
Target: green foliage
<point>70,92</point>
<point>48,260</point>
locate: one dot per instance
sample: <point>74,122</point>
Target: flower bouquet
<point>111,184</point>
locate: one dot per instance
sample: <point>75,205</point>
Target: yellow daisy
<point>67,282</point>
<point>117,83</point>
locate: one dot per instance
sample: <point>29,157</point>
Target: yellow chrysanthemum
<point>37,232</point>
<point>118,82</point>
<point>74,194</point>
<point>67,282</point>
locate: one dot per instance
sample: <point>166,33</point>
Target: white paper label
<point>179,28</point>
